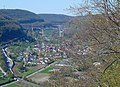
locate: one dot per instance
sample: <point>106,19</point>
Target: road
<point>22,81</point>
<point>10,64</point>
<point>39,70</point>
<point>8,84</point>
<point>3,71</point>
<point>8,60</point>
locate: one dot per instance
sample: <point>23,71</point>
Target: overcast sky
<point>39,6</point>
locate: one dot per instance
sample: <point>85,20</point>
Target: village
<point>44,54</point>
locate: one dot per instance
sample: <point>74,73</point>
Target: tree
<point>94,47</point>
<point>99,30</point>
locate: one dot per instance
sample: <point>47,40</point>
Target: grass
<point>5,79</point>
<point>21,74</point>
<point>1,74</point>
<point>26,73</point>
<point>35,61</point>
<point>14,85</point>
<point>47,70</point>
<point>30,69</point>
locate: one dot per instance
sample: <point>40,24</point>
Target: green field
<point>35,61</point>
<point>26,73</point>
<point>1,74</point>
<point>5,79</point>
<point>14,85</point>
<point>47,70</point>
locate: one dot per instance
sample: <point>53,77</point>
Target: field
<point>14,85</point>
<point>39,77</point>
<point>5,79</point>
<point>31,70</point>
<point>46,70</point>
<point>26,73</point>
<point>1,74</point>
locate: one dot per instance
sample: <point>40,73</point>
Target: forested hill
<point>9,29</point>
<point>12,22</point>
<point>55,18</point>
<point>22,16</point>
<point>25,17</point>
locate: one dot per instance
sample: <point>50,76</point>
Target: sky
<point>40,6</point>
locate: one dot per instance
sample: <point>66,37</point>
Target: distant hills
<point>55,18</point>
<point>22,16</point>
<point>13,21</point>
<point>25,17</point>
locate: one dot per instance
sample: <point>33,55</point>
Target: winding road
<point>8,60</point>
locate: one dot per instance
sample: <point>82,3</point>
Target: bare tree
<point>94,47</point>
<point>99,31</point>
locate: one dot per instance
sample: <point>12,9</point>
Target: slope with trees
<point>9,29</point>
<point>94,47</point>
<point>22,16</point>
<point>54,19</point>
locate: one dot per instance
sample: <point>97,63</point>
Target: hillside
<point>28,19</point>
<point>22,16</point>
<point>55,18</point>
<point>9,29</point>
